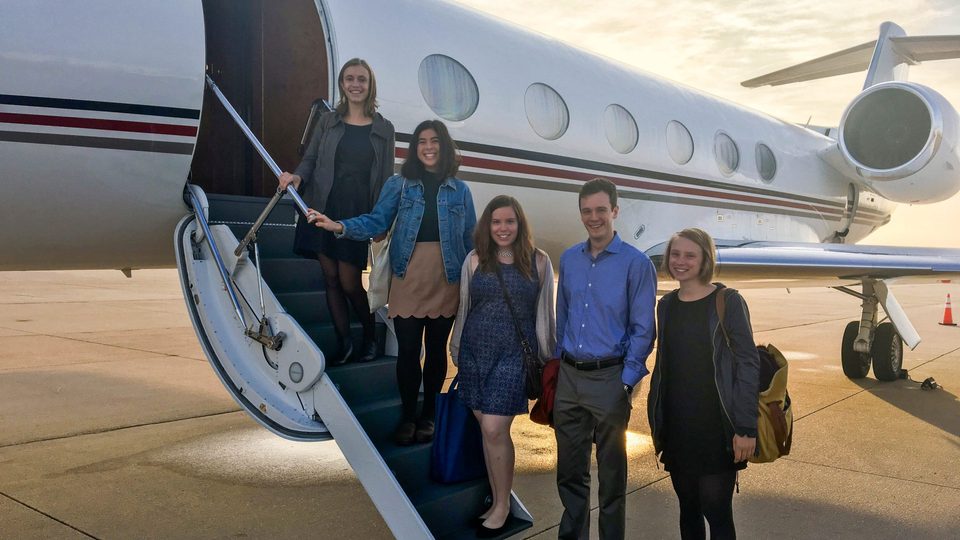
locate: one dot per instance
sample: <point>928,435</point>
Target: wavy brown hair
<point>486,248</point>
<point>369,104</point>
<point>449,161</point>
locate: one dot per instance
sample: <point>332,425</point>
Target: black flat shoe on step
<point>485,532</point>
<point>344,352</point>
<point>404,435</point>
<point>369,351</point>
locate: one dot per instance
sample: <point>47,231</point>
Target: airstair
<point>261,317</point>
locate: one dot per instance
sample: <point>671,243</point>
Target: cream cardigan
<point>546,313</point>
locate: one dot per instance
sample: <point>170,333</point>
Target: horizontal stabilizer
<point>846,61</point>
<point>910,50</point>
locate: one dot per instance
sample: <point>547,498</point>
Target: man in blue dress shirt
<point>605,331</point>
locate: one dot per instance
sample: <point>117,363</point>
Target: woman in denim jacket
<point>435,218</point>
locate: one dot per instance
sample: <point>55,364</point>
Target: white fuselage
<point>100,105</point>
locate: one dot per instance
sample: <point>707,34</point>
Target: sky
<point>713,45</point>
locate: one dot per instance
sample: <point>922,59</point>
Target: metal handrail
<point>252,234</point>
<point>227,282</point>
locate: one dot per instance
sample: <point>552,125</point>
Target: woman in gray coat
<point>349,158</point>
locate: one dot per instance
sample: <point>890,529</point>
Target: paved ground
<point>112,425</point>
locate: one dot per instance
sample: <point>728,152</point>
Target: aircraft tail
<point>886,58</point>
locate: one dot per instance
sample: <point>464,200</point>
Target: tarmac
<point>113,425</point>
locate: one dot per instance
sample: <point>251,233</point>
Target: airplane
<point>121,126</point>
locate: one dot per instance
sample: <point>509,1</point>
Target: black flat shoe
<point>369,351</point>
<point>343,354</point>
<point>404,436</point>
<point>477,522</point>
<point>425,429</point>
<point>485,532</point>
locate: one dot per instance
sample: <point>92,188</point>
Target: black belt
<point>590,365</point>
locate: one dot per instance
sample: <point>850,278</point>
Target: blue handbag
<point>457,452</point>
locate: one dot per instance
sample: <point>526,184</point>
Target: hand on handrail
<point>286,179</point>
<point>323,222</point>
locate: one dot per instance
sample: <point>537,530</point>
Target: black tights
<point>705,496</point>
<point>343,283</point>
<point>433,333</point>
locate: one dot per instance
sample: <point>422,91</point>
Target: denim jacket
<point>402,199</point>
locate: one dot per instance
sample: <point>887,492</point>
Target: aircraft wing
<point>827,264</point>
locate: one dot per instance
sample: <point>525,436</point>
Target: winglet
<point>885,59</point>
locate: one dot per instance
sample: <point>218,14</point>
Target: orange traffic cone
<point>948,313</point>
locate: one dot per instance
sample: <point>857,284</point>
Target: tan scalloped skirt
<point>424,291</point>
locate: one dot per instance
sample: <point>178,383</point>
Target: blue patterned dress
<point>492,374</point>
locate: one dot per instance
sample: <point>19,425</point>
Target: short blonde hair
<point>707,248</point>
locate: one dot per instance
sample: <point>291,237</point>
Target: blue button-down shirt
<point>606,306</point>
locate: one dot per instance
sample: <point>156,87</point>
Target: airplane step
<point>361,383</point>
<point>275,240</point>
<point>357,403</point>
<point>294,273</point>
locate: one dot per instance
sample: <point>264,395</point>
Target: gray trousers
<point>591,406</point>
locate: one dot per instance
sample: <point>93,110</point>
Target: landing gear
<point>867,341</point>
<point>887,352</point>
<point>855,364</point>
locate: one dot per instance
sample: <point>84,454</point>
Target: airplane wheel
<point>887,352</point>
<point>856,365</point>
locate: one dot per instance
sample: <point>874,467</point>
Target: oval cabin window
<point>727,153</point>
<point>621,128</point>
<point>448,88</point>
<point>679,142</point>
<point>546,111</point>
<point>766,162</point>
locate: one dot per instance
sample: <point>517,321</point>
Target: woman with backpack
<point>703,393</point>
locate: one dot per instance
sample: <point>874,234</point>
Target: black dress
<point>349,197</point>
<point>694,439</point>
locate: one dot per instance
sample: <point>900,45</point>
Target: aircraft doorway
<point>270,60</point>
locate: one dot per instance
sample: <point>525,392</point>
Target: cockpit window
<point>546,111</point>
<point>621,128</point>
<point>448,88</point>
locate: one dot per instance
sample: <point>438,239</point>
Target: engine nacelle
<point>901,140</point>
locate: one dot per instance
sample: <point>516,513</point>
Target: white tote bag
<point>381,273</point>
<point>380,276</point>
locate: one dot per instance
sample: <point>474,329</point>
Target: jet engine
<point>901,140</point>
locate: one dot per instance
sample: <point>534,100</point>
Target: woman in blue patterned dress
<point>485,346</point>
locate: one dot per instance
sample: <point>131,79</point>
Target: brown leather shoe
<point>404,436</point>
<point>424,430</point>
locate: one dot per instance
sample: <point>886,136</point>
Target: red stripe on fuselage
<point>539,170</point>
<point>98,123</point>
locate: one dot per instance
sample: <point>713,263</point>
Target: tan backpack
<point>775,418</point>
